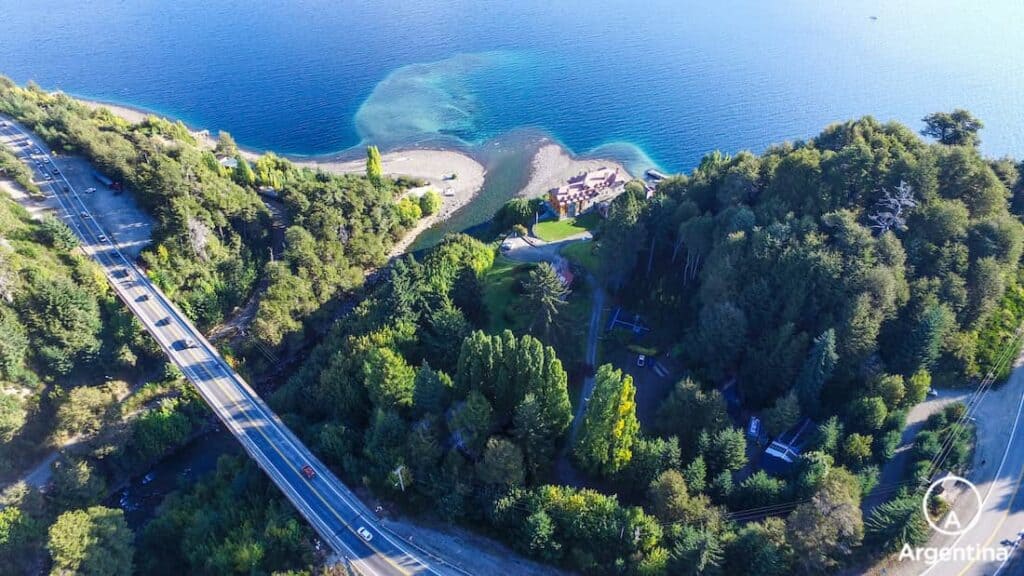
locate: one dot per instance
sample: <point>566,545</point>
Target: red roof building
<point>584,190</point>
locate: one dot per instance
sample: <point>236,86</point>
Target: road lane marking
<point>97,250</point>
<point>999,471</point>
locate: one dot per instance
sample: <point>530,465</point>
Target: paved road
<point>998,470</point>
<point>329,506</point>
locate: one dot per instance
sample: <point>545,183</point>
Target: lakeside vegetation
<point>213,238</point>
<point>836,279</point>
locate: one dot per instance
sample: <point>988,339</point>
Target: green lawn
<point>583,254</point>
<point>500,284</point>
<point>551,230</point>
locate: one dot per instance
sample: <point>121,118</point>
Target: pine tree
<point>553,393</point>
<point>923,346</point>
<point>530,429</point>
<point>817,369</point>
<point>543,298</point>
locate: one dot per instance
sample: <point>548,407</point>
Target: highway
<point>341,520</point>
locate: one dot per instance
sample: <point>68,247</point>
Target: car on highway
<point>164,321</point>
<point>90,190</point>
<point>102,238</point>
<point>67,188</point>
<point>362,531</point>
<point>142,298</point>
<point>308,471</point>
<point>49,178</point>
<point>641,360</point>
<point>85,214</point>
<point>185,344</point>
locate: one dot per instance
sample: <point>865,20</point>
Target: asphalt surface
<point>343,522</point>
<point>998,472</point>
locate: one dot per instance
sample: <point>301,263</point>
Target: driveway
<point>894,470</point>
<point>537,250</point>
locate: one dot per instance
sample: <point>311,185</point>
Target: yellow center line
<point>147,304</point>
<point>999,526</point>
<point>226,390</point>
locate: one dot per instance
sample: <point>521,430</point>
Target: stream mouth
<point>142,496</point>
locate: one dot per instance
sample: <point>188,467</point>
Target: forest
<point>69,356</point>
<point>81,379</point>
<point>837,279</point>
<point>214,238</point>
<point>832,282</point>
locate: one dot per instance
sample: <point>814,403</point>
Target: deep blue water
<point>667,78</point>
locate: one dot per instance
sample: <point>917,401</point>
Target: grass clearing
<point>583,254</point>
<point>552,230</point>
<point>501,283</point>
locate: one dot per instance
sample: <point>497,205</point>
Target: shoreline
<point>550,166</point>
<point>432,165</point>
<point>553,164</point>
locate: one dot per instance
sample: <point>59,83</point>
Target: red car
<point>308,471</point>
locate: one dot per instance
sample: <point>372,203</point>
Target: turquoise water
<point>659,82</point>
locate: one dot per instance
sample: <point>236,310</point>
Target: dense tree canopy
<point>92,542</point>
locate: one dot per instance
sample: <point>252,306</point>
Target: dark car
<point>142,298</point>
<point>308,471</point>
<point>164,321</point>
<point>185,344</point>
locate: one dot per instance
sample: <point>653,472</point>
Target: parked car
<point>308,471</point>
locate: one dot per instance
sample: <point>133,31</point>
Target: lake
<point>653,83</point>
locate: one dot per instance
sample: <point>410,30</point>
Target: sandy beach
<point>434,166</point>
<point>552,166</point>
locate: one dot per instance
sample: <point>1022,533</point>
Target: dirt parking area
<point>118,213</point>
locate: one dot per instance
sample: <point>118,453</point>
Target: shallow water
<point>661,82</point>
<point>676,79</point>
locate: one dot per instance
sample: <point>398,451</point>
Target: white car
<point>364,533</point>
<point>90,190</point>
<point>641,360</point>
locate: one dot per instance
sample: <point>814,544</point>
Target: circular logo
<point>951,525</point>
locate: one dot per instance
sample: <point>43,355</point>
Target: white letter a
<point>952,520</point>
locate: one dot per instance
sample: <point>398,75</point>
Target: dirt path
<point>593,332</point>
